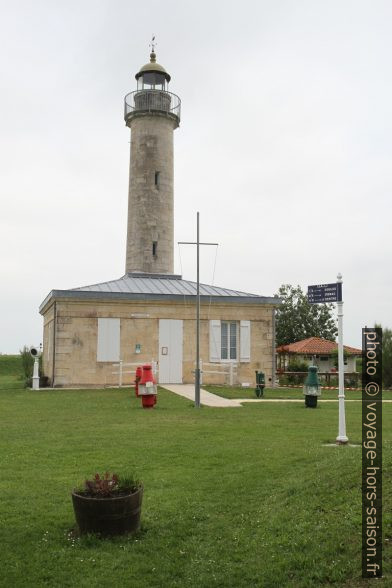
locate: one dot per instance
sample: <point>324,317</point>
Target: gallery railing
<point>152,101</point>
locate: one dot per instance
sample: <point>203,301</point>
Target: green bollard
<point>260,384</point>
<point>311,387</point>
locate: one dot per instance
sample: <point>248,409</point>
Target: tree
<point>386,357</point>
<point>296,319</point>
<point>335,356</point>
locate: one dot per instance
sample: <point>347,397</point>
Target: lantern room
<point>152,76</point>
<point>152,94</point>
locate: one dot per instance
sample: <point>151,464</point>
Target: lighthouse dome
<point>152,67</point>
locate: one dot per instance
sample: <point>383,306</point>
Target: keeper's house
<point>149,313</point>
<point>140,318</point>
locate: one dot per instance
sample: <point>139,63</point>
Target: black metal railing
<point>152,101</point>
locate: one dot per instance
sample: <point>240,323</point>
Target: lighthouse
<point>152,113</point>
<point>148,315</point>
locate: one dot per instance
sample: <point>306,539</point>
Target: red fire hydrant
<point>138,377</point>
<point>147,387</point>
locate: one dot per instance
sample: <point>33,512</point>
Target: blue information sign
<point>321,293</point>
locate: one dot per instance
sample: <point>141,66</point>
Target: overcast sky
<point>284,146</point>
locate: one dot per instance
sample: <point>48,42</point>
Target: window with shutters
<point>229,341</point>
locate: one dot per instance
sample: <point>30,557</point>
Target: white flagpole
<point>342,438</point>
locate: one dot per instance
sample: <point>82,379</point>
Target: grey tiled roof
<point>159,284</point>
<point>136,286</point>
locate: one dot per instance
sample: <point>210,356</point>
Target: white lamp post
<point>34,352</point>
<point>36,374</point>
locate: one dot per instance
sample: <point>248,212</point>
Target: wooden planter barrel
<point>109,516</point>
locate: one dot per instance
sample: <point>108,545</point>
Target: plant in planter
<point>108,505</point>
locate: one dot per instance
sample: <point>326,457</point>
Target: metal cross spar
<point>197,370</point>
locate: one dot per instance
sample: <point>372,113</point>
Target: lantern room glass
<point>151,80</point>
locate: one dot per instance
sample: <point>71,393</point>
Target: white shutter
<point>108,341</point>
<point>215,340</point>
<point>244,341</point>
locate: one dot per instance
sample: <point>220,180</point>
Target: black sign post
<point>322,293</point>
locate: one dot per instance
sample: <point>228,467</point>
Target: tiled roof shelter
<point>315,346</point>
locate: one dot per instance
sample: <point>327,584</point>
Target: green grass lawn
<point>10,365</point>
<point>11,376</point>
<point>281,393</point>
<point>233,497</point>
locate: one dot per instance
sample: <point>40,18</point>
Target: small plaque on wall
<point>164,350</point>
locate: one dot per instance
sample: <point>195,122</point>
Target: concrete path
<point>206,398</point>
<point>209,399</point>
<point>270,400</point>
<point>298,400</point>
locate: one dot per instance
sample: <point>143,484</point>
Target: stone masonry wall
<point>77,327</point>
<point>150,205</point>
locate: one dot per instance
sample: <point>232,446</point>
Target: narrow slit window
<point>157,174</point>
<point>154,248</point>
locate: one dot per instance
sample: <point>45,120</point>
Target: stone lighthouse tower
<point>152,113</point>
